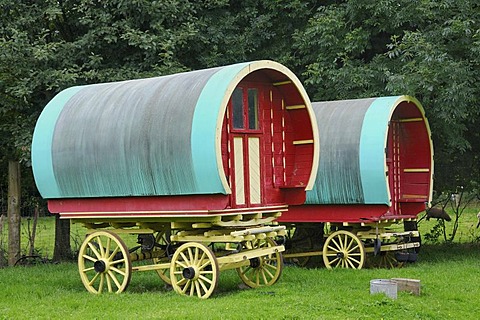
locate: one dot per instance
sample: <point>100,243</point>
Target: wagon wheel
<point>194,270</point>
<point>343,249</point>
<point>384,259</point>
<point>298,240</point>
<point>163,239</point>
<point>104,263</point>
<point>264,270</point>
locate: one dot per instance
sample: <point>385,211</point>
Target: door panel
<point>254,169</point>
<point>239,171</point>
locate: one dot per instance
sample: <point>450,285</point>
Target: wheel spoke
<point>109,283</point>
<point>203,266</point>
<point>182,282</point>
<point>88,269</point>
<point>353,249</point>
<point>338,247</point>
<point>102,280</point>
<point>117,261</point>
<point>185,259</point>
<point>100,246</point>
<point>92,247</point>
<point>205,279</point>
<point>190,256</point>
<point>92,281</point>
<point>85,256</point>
<point>187,285</point>
<point>197,288</point>
<point>112,255</point>
<point>181,264</point>
<point>121,272</point>
<point>264,277</point>
<point>204,287</point>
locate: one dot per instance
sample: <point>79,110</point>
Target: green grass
<point>448,274</point>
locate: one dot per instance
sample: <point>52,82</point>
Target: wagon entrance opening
<point>409,160</point>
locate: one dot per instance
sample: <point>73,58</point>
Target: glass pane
<point>252,109</point>
<point>237,108</point>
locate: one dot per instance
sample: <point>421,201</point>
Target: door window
<point>245,111</point>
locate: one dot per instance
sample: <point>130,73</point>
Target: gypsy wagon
<point>375,171</point>
<point>197,164</point>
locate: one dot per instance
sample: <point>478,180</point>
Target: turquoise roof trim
<point>372,150</point>
<point>42,164</point>
<point>204,131</point>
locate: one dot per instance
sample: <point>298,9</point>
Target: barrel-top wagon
<point>197,164</point>
<point>375,171</point>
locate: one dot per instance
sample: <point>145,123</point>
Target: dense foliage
<point>339,49</point>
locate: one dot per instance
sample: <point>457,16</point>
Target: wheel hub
<point>99,266</point>
<point>340,255</point>
<point>189,273</point>
<point>255,262</point>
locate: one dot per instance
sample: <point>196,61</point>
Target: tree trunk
<point>13,212</point>
<point>62,250</point>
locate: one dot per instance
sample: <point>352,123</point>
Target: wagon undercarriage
<point>353,245</point>
<point>187,254</point>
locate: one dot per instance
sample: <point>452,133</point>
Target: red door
<point>245,146</point>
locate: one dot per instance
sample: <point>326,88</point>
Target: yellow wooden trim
<point>296,107</point>
<point>410,120</point>
<point>417,170</point>
<point>281,83</point>
<point>151,267</point>
<point>414,196</point>
<point>303,141</point>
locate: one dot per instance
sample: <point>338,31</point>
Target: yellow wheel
<point>194,270</point>
<point>343,249</point>
<point>163,239</point>
<point>104,263</point>
<point>264,270</point>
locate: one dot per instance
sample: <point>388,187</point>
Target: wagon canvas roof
<point>353,141</point>
<point>156,136</point>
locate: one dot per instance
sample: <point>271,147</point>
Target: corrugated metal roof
<point>340,125</point>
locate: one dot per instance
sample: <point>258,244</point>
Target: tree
<point>427,49</point>
<point>48,46</point>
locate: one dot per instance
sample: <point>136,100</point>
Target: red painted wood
<point>129,204</point>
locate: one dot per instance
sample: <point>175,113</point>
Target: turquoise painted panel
<point>204,128</point>
<point>42,164</point>
<point>372,150</point>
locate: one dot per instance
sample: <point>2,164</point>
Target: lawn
<point>449,275</point>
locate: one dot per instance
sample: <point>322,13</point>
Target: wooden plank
<point>296,107</point>
<point>408,285</point>
<point>282,83</point>
<point>254,169</point>
<point>239,173</point>
<point>410,120</point>
<point>307,141</point>
<point>416,170</point>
